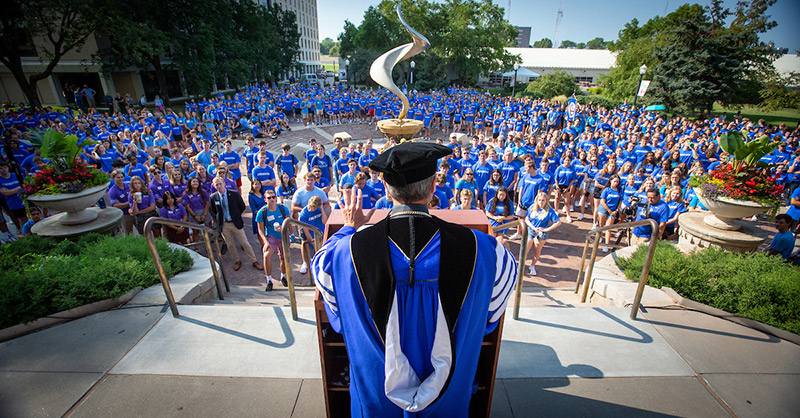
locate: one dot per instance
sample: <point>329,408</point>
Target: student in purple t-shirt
<point>175,211</point>
<point>119,193</point>
<point>142,205</point>
<point>196,203</point>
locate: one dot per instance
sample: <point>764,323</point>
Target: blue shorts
<point>601,210</point>
<point>541,235</point>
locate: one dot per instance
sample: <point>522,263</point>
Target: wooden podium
<point>333,354</point>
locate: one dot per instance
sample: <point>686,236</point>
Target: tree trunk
<point>32,95</point>
<point>28,87</point>
<point>162,79</point>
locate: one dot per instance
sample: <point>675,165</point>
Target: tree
<point>581,45</point>
<point>325,46</point>
<point>777,96</point>
<point>474,38</point>
<point>47,29</point>
<point>543,43</point>
<point>705,62</point>
<point>597,43</point>
<point>553,84</point>
<point>138,35</point>
<point>469,35</point>
<point>568,44</point>
<point>743,60</point>
<point>240,42</point>
<point>347,39</point>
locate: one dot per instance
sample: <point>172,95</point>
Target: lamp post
<point>514,81</point>
<point>413,64</point>
<point>347,71</point>
<point>642,70</point>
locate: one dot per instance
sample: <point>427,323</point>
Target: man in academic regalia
<point>413,295</point>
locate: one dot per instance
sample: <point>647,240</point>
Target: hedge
<point>755,286</point>
<point>42,276</point>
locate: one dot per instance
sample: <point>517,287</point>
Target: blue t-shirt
<point>10,183</point>
<point>793,210</point>
<point>612,198</point>
<point>268,218</point>
<point>783,243</point>
<point>262,174</point>
<point>659,212</point>
<point>232,158</point>
<point>287,164</point>
<point>542,218</point>
<point>302,196</point>
<point>312,217</point>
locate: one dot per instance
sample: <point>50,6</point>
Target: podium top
<point>473,219</point>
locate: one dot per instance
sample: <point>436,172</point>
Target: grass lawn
<point>788,116</point>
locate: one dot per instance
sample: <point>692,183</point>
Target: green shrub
<point>50,277</point>
<point>598,101</point>
<point>529,94</point>
<point>755,286</point>
<point>595,90</point>
<point>557,83</point>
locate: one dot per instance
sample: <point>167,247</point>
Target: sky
<point>582,20</point>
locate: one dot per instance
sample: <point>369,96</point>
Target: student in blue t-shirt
<point>233,159</point>
<point>608,210</point>
<point>314,215</point>
<point>657,210</point>
<point>288,163</point>
<point>783,242</point>
<point>35,215</point>
<point>674,197</point>
<point>500,210</point>
<point>541,220</point>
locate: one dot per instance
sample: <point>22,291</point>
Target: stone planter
<point>74,205</point>
<point>727,212</point>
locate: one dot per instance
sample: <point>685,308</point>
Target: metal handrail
<point>595,233</point>
<point>151,243</point>
<point>523,230</point>
<point>287,222</point>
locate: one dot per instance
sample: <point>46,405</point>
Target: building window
<point>589,80</point>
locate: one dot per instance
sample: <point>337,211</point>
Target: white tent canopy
<point>522,73</point>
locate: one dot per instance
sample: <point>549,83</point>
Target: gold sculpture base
<point>400,128</point>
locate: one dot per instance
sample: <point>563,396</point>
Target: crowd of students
<point>590,162</point>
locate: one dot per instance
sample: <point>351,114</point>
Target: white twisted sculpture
<point>381,69</point>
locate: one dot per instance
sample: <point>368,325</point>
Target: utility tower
<point>559,15</point>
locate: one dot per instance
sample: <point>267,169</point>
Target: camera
<point>636,202</point>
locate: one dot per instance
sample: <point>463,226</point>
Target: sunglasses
<point>271,197</point>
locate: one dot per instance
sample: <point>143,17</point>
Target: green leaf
<point>737,139</point>
<point>728,142</point>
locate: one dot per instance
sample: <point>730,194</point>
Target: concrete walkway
<point>559,359</point>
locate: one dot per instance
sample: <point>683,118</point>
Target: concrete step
<point>532,297</point>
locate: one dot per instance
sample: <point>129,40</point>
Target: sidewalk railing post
<point>151,243</point>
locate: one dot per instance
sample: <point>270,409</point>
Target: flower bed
<point>755,286</point>
<point>42,276</point>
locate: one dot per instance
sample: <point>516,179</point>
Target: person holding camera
<point>655,209</point>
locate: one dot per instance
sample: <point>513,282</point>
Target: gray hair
<point>419,190</point>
